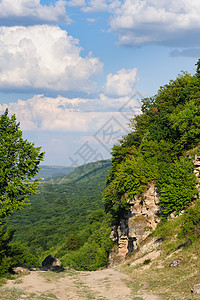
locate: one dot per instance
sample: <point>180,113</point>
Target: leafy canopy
<point>157,149</point>
<point>19,163</point>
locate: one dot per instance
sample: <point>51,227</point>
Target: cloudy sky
<point>74,71</point>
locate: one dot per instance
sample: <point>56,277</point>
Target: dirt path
<point>108,284</point>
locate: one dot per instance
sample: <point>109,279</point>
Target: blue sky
<point>74,71</point>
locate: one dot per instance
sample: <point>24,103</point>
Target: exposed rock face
<point>196,162</point>
<point>51,261</point>
<point>140,219</point>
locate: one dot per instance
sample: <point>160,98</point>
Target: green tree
<point>19,163</point>
<point>157,148</point>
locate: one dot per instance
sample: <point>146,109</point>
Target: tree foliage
<point>19,163</point>
<point>157,149</point>
<point>12,254</point>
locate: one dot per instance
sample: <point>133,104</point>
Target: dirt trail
<point>107,284</point>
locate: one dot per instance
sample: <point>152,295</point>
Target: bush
<point>190,227</point>
<point>176,185</point>
<point>12,254</point>
<point>89,258</point>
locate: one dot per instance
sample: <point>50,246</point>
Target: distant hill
<point>88,169</point>
<point>60,207</point>
<point>53,171</point>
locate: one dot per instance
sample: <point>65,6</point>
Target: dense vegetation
<point>66,218</point>
<point>160,149</point>
<point>19,164</point>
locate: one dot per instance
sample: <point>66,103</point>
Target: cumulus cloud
<point>44,57</point>
<point>26,12</point>
<point>62,114</point>
<point>122,83</point>
<point>51,114</point>
<point>172,23</point>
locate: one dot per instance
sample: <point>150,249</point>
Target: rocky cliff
<point>139,220</point>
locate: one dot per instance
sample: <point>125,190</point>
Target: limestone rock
<point>141,218</point>
<point>196,162</point>
<point>51,261</point>
<point>175,263</point>
<point>21,270</point>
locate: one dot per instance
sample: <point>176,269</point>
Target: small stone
<point>175,262</point>
<point>34,269</point>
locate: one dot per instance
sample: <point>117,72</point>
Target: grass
<point>10,293</point>
<point>52,276</point>
<point>17,294</point>
<point>159,278</point>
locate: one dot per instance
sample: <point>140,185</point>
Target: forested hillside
<point>65,211</point>
<point>160,149</point>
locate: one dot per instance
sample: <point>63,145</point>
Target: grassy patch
<point>10,293</point>
<point>169,282</point>
<point>52,276</point>
<point>46,296</point>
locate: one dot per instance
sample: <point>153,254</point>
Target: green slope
<point>60,207</point>
<point>53,171</point>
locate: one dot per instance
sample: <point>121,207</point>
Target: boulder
<point>21,270</point>
<point>51,261</point>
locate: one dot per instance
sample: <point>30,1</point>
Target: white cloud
<point>76,3</point>
<point>96,6</point>
<point>101,5</point>
<point>44,57</point>
<point>45,113</point>
<point>167,22</point>
<point>61,114</point>
<point>122,83</point>
<point>26,12</point>
<point>91,20</point>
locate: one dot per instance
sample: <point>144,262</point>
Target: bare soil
<point>107,284</point>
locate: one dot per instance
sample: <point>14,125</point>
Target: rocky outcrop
<point>196,162</point>
<point>141,218</point>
